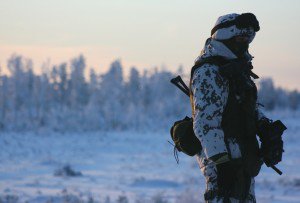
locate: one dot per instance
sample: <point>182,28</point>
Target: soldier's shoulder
<point>206,70</point>
<point>209,73</point>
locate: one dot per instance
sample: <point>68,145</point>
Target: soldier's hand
<point>270,134</point>
<point>272,154</point>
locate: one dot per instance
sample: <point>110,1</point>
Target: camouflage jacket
<point>210,93</point>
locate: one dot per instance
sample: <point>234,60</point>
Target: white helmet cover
<point>232,31</point>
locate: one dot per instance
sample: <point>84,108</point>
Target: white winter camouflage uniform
<point>207,86</point>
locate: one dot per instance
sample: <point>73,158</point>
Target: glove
<point>272,155</point>
<point>270,134</point>
<point>227,174</point>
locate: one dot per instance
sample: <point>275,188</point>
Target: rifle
<point>178,82</point>
<point>277,128</point>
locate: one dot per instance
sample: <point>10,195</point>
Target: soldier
<point>226,114</point>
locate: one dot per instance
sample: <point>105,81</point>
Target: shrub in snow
<point>122,199</point>
<point>9,199</point>
<point>67,171</point>
<point>159,198</point>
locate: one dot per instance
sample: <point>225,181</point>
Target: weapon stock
<point>178,82</point>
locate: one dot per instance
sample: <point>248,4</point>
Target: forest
<point>62,99</point>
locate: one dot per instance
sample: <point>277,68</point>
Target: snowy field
<point>124,167</point>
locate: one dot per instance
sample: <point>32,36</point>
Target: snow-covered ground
<point>121,166</point>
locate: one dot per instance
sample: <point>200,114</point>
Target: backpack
<point>184,138</point>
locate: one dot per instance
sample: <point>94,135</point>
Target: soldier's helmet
<point>232,25</point>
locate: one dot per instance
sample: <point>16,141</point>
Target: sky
<point>146,33</point>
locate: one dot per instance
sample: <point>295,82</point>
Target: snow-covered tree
<point>267,93</point>
<point>112,94</point>
<point>294,99</point>
<point>78,86</point>
<point>63,84</point>
<point>61,98</point>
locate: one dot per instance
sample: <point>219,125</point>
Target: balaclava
<point>231,25</point>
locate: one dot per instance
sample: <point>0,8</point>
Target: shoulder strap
<point>216,60</point>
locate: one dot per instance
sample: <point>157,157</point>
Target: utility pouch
<point>184,138</point>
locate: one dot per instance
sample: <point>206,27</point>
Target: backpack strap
<point>216,60</point>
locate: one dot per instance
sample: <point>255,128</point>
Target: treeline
<point>276,97</point>
<point>62,99</point>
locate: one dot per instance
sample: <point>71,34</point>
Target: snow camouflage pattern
<point>229,32</point>
<point>210,91</point>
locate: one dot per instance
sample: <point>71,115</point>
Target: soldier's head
<point>236,31</point>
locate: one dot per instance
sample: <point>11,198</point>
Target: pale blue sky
<point>146,33</point>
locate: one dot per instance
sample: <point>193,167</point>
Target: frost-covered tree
<point>28,89</point>
<point>113,100</point>
<point>294,99</point>
<point>134,86</point>
<point>94,115</point>
<point>282,99</point>
<point>60,98</point>
<point>93,85</point>
<point>3,98</point>
<point>19,90</point>
<point>78,86</point>
<point>267,93</point>
<point>63,85</point>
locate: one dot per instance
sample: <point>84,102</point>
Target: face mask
<point>238,48</point>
